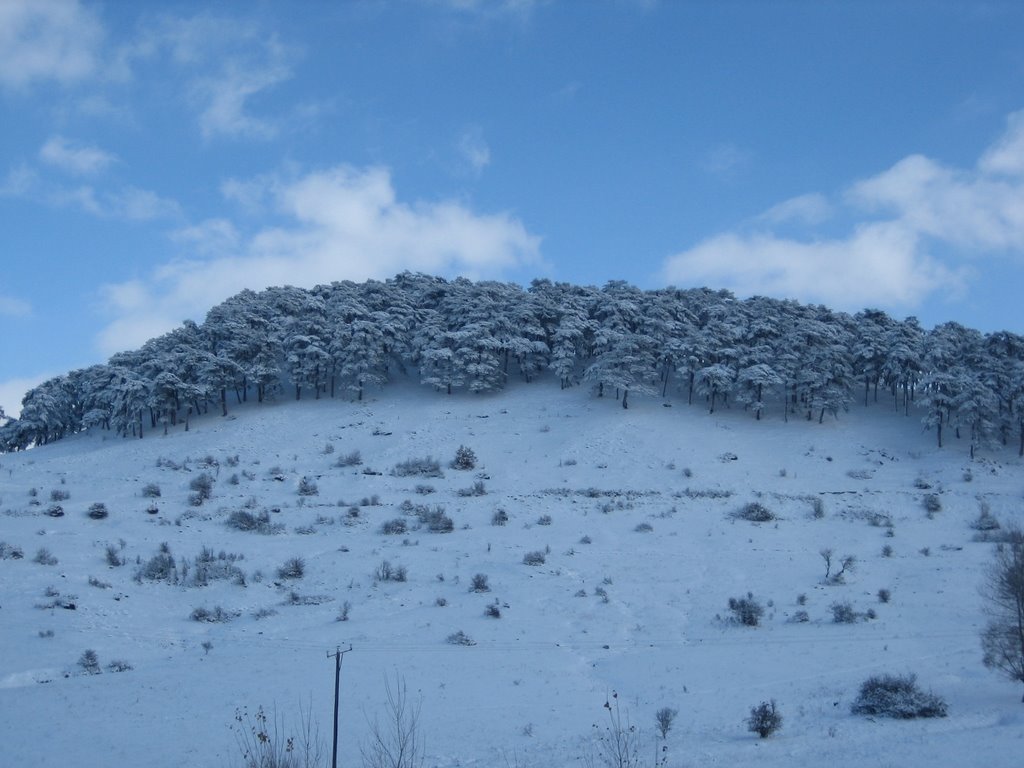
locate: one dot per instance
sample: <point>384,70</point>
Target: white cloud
<point>12,306</point>
<point>47,40</point>
<point>74,158</point>
<point>1007,154</point>
<point>969,209</point>
<point>878,265</point>
<point>812,208</point>
<point>904,216</point>
<point>340,223</point>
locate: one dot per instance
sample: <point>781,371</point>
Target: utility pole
<point>338,653</point>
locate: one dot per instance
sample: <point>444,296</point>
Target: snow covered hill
<point>629,518</point>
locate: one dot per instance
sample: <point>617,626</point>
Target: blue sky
<point>156,158</point>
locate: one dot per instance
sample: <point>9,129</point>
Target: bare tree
<point>1003,639</point>
<point>395,741</point>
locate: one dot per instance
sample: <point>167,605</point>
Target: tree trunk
<point>625,396</point>
<point>224,401</point>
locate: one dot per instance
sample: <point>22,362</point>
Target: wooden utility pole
<point>338,653</point>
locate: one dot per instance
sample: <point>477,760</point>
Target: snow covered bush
<point>932,504</point>
<point>215,615</point>
<point>98,511</point>
<point>460,638</point>
<point>90,662</point>
<point>293,568</point>
<point>244,520</point>
<point>395,527</point>
<point>353,459</point>
<point>534,558</point>
<point>151,491</point>
<point>764,719</point>
<point>424,467</point>
<point>755,512</point>
<point>843,613</point>
<point>746,610</point>
<point>10,551</point>
<point>897,697</point>
<point>308,487</point>
<point>44,557</point>
<point>500,517</point>
<point>435,519</point>
<point>464,459</point>
<point>479,583</point>
<point>202,488</point>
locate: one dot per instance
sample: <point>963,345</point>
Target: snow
<point>532,688</point>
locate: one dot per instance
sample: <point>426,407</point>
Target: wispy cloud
<point>12,306</point>
<point>47,40</point>
<point>125,202</point>
<point>79,159</point>
<point>725,160</point>
<point>904,217</point>
<point>333,224</point>
<point>12,391</point>
<point>228,62</point>
<point>473,150</point>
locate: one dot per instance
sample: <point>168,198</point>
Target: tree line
<point>345,339</point>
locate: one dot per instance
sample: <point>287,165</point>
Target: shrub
<point>216,615</point>
<point>932,503</point>
<point>644,528</point>
<point>244,520</point>
<point>764,719</point>
<point>395,527</point>
<point>436,520</point>
<point>537,557</point>
<point>843,613</point>
<point>202,487</point>
<point>151,491</point>
<point>308,487</point>
<point>90,662</point>
<point>664,718</point>
<point>746,610</point>
<point>387,572</point>
<point>500,517</point>
<point>59,494</point>
<point>460,638</point>
<point>544,520</point>
<point>55,510</point>
<point>424,490</point>
<point>343,613</point>
<point>98,511</point>
<point>10,551</point>
<point>884,595</point>
<point>293,568</point>
<point>755,512</point>
<point>119,665</point>
<point>476,489</point>
<point>44,557</point>
<point>425,467</point>
<point>464,458</point>
<point>493,610</point>
<point>160,567</point>
<point>479,583</point>
<point>353,459</point>
<point>898,697</point>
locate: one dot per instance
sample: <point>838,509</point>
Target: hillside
<point>642,552</point>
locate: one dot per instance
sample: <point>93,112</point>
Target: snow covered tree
<point>1002,640</point>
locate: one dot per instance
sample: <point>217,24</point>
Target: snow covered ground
<point>642,612</point>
